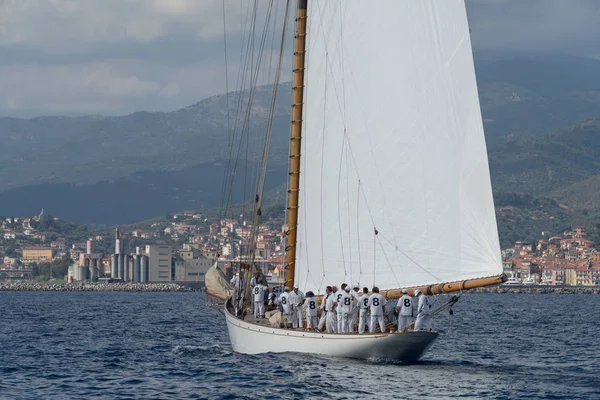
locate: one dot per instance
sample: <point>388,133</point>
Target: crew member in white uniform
<point>331,323</point>
<point>310,306</point>
<point>377,307</point>
<point>284,301</point>
<point>356,295</point>
<point>363,307</point>
<point>254,280</point>
<point>423,319</point>
<point>405,311</point>
<point>259,299</point>
<point>338,297</point>
<point>297,298</point>
<point>323,308</point>
<point>346,306</point>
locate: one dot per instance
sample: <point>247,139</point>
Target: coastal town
<point>180,248</point>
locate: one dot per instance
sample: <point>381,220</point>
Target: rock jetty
<point>539,289</point>
<point>32,286</point>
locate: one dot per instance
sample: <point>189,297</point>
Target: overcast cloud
<point>113,57</point>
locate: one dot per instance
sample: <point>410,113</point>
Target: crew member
<point>297,298</point>
<point>363,306</point>
<point>259,299</point>
<point>331,323</point>
<point>404,310</point>
<point>356,295</point>
<point>377,307</point>
<point>310,305</point>
<point>423,319</point>
<point>338,297</point>
<point>323,308</point>
<point>346,306</point>
<point>255,279</point>
<point>284,301</point>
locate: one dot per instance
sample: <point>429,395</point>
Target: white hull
<point>251,338</point>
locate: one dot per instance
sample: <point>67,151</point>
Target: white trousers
<point>340,322</point>
<point>423,322</point>
<point>298,320</point>
<point>259,308</point>
<point>346,321</point>
<point>403,322</point>
<point>362,321</point>
<point>331,323</point>
<point>374,320</point>
<point>322,320</point>
<point>311,322</point>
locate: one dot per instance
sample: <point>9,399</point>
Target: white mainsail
<point>392,140</point>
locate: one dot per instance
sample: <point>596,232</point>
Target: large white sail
<point>393,140</point>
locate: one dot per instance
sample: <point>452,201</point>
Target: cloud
<point>567,26</point>
<point>118,56</point>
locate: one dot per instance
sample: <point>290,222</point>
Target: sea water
<point>172,346</point>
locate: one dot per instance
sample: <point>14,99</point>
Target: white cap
<point>295,286</point>
<point>356,286</point>
<point>417,292</point>
<point>286,289</point>
<point>404,291</point>
<point>347,288</point>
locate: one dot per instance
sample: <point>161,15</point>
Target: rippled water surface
<point>171,346</point>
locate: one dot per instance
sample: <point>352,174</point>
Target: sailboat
<point>389,182</point>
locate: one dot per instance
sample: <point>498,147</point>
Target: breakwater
<point>32,286</point>
<point>539,289</point>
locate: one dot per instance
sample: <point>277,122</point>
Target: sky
<point>114,57</point>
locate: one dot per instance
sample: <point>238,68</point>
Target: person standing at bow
<point>404,310</point>
<point>377,307</point>
<point>363,307</point>
<point>423,321</point>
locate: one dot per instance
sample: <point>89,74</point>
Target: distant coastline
<point>537,289</point>
<point>30,286</point>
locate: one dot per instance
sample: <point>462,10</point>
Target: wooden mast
<point>294,171</point>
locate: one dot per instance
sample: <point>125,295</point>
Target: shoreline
<point>501,289</point>
<point>24,286</point>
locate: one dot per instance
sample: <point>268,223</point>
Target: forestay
<point>393,140</point>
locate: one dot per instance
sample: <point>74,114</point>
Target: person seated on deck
<point>284,301</point>
<point>271,302</point>
<point>377,307</point>
<point>310,306</point>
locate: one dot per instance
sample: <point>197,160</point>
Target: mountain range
<point>541,117</point>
